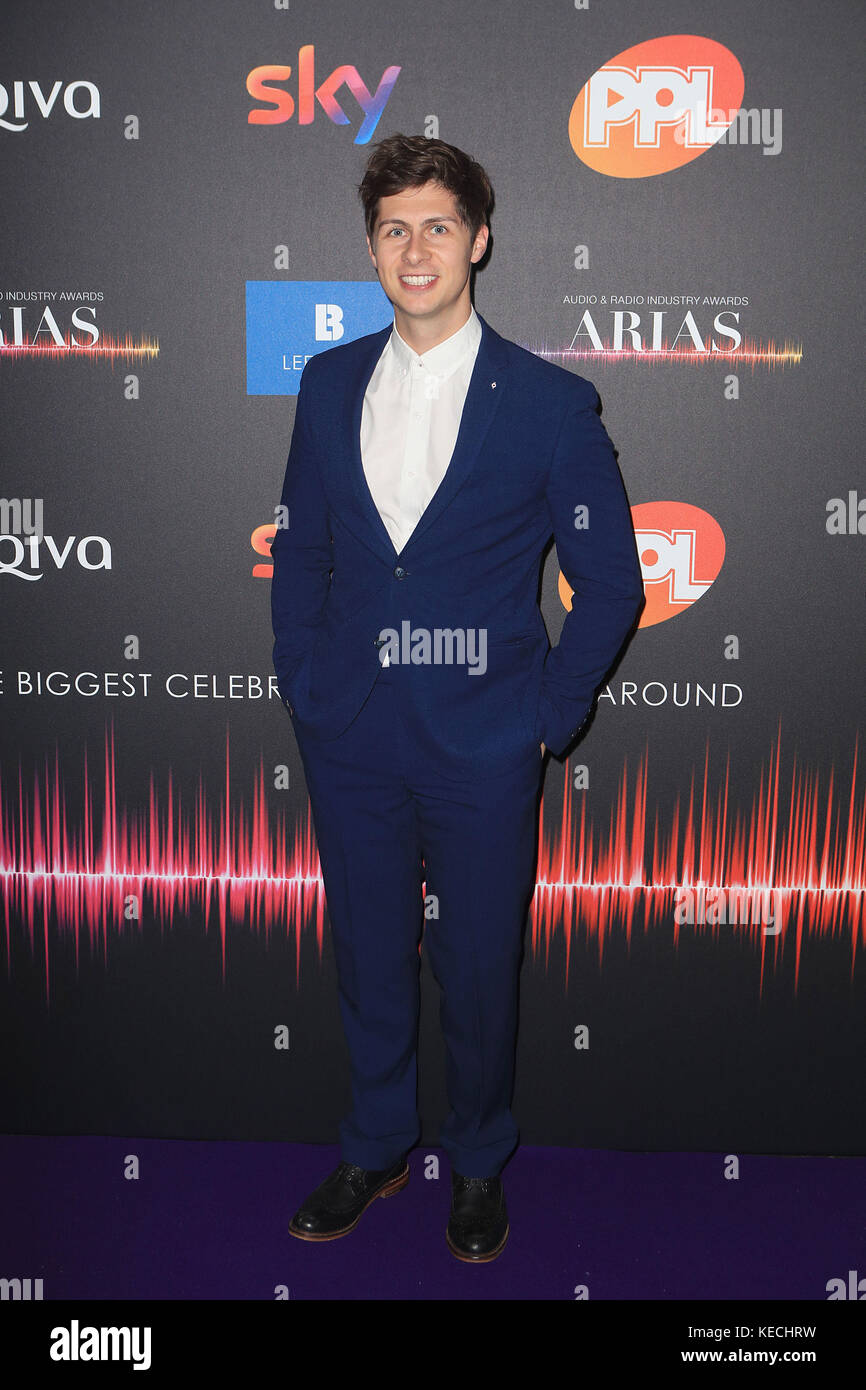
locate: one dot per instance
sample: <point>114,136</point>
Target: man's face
<point>423,253</point>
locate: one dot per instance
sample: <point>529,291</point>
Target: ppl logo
<point>261,85</point>
<point>288,322</point>
<point>681,550</point>
<point>656,106</point>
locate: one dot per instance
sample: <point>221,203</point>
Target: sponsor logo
<point>26,551</point>
<point>41,329</point>
<point>288,322</point>
<point>652,327</point>
<point>681,550</point>
<point>656,106</point>
<point>24,558</point>
<point>59,324</point>
<point>265,85</point>
<point>80,100</point>
<point>636,332</point>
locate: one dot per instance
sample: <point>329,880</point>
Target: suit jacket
<point>531,450</point>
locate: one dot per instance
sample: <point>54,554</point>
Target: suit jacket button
<point>399,572</point>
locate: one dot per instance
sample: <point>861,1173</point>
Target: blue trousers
<point>386,822</point>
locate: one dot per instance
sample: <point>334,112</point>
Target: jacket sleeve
<point>598,556</point>
<point>301,550</point>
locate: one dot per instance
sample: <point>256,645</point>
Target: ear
<point>372,256</point>
<point>479,245</point>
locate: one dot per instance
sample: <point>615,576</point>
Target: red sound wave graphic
<point>813,862</point>
<point>105,347</point>
<point>751,351</point>
<point>245,868</point>
<point>239,864</point>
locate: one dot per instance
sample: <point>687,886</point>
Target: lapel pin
<point>493,385</point>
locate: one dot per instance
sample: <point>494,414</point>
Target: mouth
<point>418,282</point>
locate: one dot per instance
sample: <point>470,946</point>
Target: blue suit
<point>434,760</point>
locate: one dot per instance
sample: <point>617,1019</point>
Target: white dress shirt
<point>409,423</point>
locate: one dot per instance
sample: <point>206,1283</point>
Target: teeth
<point>418,279</point>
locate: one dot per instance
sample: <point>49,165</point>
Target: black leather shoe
<point>337,1205</point>
<point>478,1227</point>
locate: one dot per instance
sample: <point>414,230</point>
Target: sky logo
<point>288,322</point>
<point>264,84</point>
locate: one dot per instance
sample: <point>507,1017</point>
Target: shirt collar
<point>446,356</point>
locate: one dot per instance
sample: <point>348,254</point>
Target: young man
<point>430,463</point>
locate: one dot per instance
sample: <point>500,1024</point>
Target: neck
<point>422,335</point>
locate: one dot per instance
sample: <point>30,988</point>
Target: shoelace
<point>486,1184</point>
<point>353,1174</point>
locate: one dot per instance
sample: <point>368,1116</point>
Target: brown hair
<point>408,161</point>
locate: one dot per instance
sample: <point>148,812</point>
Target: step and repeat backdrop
<point>677,215</point>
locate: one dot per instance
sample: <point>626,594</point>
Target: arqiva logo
<point>681,550</point>
<point>656,106</point>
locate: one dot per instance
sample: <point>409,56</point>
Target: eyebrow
<point>398,221</point>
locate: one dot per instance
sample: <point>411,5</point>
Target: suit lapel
<point>486,385</point>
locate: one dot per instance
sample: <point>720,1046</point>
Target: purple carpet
<point>208,1220</point>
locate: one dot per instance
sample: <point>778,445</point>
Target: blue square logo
<point>290,321</point>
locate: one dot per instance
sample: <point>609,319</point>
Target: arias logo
<point>681,550</point>
<point>58,325</point>
<point>656,106</point>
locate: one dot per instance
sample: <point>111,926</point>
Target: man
<point>430,463</point>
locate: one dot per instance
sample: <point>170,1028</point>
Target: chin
<point>416,311</point>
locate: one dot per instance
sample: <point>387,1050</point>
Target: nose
<point>414,249</point>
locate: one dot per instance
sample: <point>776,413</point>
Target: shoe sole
<point>477,1259</point>
<point>395,1185</point>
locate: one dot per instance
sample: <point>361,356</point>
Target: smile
<point>418,280</point>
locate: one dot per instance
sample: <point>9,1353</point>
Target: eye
<point>391,231</point>
<point>439,227</point>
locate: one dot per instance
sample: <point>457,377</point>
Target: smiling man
<point>430,465</point>
<point>423,256</point>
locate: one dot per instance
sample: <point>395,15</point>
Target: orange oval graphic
<point>681,550</point>
<point>656,106</point>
